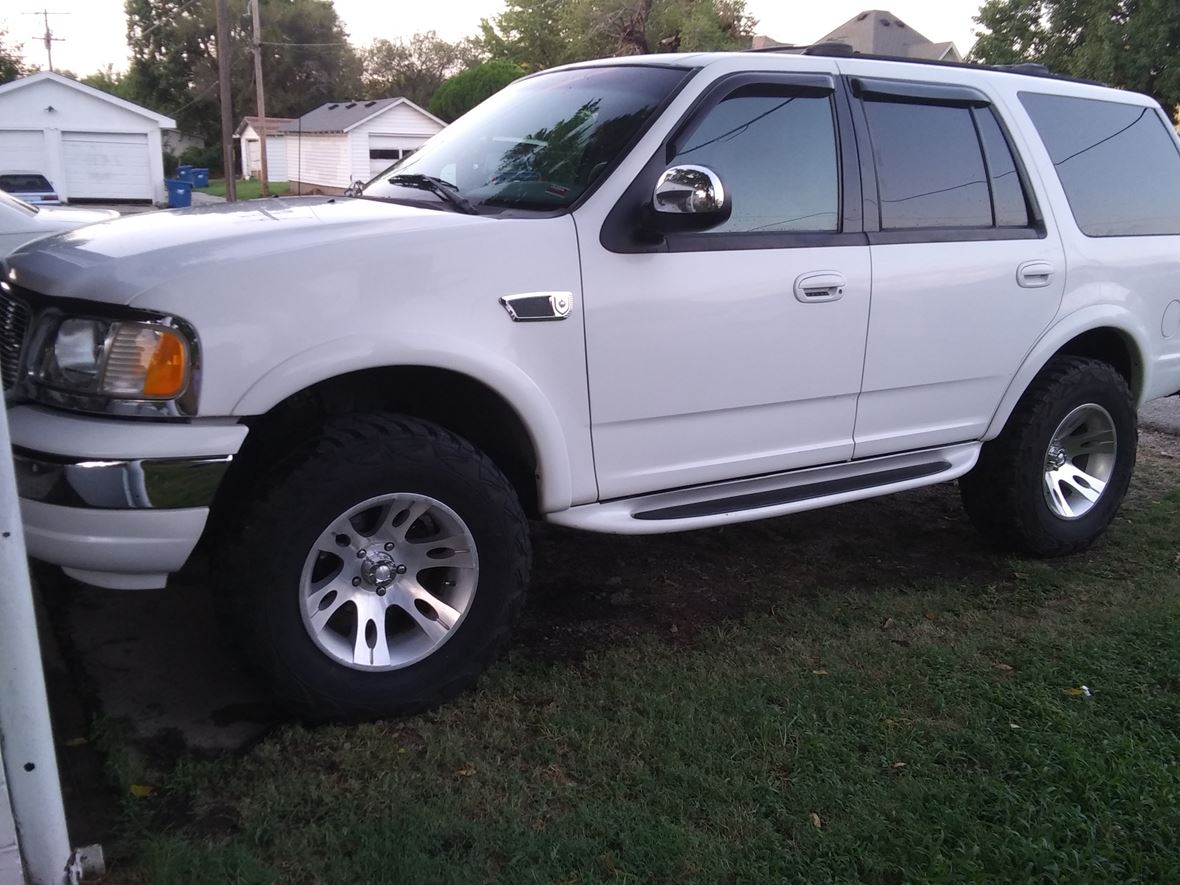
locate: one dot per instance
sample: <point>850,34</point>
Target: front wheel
<point>1053,480</point>
<point>379,572</point>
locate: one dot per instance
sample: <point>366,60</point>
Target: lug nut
<point>380,591</point>
<point>356,582</point>
<point>360,554</point>
<point>389,545</point>
<point>401,569</point>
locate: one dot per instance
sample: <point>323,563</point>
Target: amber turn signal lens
<point>168,368</point>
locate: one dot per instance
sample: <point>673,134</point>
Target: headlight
<point>117,359</point>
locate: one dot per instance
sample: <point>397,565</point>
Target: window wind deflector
<point>440,187</point>
<point>918,93</point>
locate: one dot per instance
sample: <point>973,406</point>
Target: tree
<point>111,81</point>
<point>1132,44</point>
<point>307,59</point>
<point>414,69</point>
<point>460,93</point>
<point>538,34</point>
<point>12,62</point>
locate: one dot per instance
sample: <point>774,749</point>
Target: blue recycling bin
<point>182,173</point>
<point>180,193</point>
<point>198,176</point>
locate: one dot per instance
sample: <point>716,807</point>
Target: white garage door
<point>385,150</point>
<point>23,151</point>
<point>107,165</point>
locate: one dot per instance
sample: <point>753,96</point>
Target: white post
<point>26,737</point>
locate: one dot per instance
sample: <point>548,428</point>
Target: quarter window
<point>775,150</point>
<point>1117,163</point>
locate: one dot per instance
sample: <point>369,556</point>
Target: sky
<point>93,32</point>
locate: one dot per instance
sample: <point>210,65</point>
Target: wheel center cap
<point>379,569</point>
<point>1056,459</point>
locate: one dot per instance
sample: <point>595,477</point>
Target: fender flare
<point>1064,330</point>
<point>356,353</point>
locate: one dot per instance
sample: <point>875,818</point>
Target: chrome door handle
<point>819,286</point>
<point>1034,274</point>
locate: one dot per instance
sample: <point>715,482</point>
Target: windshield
<point>19,205</point>
<point>24,182</point>
<point>540,142</point>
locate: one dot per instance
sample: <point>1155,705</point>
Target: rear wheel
<point>379,572</point>
<point>1053,480</point>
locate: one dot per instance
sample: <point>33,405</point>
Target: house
<point>250,144</point>
<point>89,144</point>
<point>876,32</point>
<point>345,141</point>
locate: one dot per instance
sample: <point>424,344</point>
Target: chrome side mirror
<point>690,198</point>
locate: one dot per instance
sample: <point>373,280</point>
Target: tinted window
<point>23,183</point>
<point>1117,163</point>
<point>1007,191</point>
<point>930,170</point>
<point>776,152</point>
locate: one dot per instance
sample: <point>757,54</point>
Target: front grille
<point>14,325</point>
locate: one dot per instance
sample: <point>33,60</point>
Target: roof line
<point>54,77</point>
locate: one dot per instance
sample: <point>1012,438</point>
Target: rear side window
<point>1117,163</point>
<point>930,167</point>
<point>776,152</point>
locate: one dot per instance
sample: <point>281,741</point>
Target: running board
<point>775,495</point>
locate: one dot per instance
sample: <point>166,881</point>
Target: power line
<point>48,37</point>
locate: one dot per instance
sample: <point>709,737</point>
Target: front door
<point>736,351</point>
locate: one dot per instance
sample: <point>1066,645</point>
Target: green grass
<point>247,189</point>
<point>927,727</point>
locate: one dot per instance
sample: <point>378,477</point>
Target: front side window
<point>541,142</point>
<point>775,150</point>
<point>1117,163</point>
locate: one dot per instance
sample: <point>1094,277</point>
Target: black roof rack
<point>844,50</point>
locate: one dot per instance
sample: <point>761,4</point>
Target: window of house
<point>775,150</point>
<point>1117,163</point>
<point>389,153</point>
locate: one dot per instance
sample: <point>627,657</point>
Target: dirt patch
<point>591,591</point>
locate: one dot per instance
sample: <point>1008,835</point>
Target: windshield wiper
<point>440,187</point>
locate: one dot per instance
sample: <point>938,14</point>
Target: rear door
<point>967,271</point>
<point>711,355</point>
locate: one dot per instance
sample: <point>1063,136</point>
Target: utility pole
<point>48,37</point>
<point>265,191</point>
<point>227,111</point>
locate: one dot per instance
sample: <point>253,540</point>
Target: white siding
<point>276,156</point>
<point>411,128</point>
<point>29,108</point>
<point>322,161</point>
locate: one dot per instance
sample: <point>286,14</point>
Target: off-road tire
<point>259,564</point>
<point>1003,493</point>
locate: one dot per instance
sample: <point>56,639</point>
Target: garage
<point>21,150</point>
<point>89,144</point>
<point>385,150</point>
<point>106,165</point>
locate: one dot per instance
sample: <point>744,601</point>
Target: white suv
<point>631,296</point>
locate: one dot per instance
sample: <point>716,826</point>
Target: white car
<point>21,222</point>
<point>639,295</point>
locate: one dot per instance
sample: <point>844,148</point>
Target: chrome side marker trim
<point>536,307</point>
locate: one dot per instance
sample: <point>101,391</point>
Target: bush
<point>205,158</point>
<point>460,93</point>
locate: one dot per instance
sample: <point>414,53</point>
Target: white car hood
<point>71,216</point>
<point>118,261</point>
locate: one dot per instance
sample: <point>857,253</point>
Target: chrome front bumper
<point>117,503</point>
<point>119,485</point>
